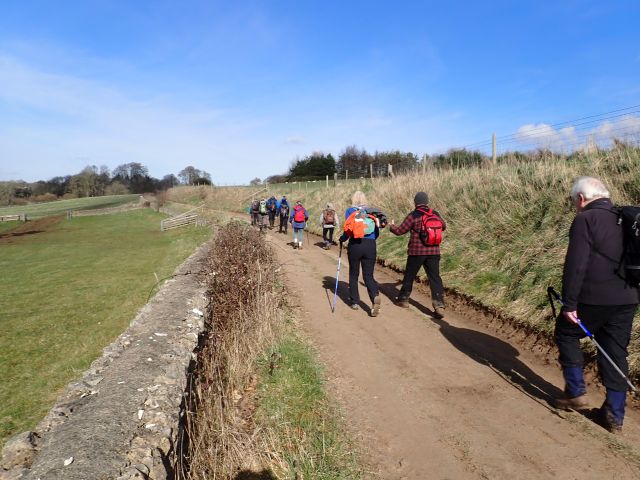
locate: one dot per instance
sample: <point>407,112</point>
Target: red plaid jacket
<point>413,223</point>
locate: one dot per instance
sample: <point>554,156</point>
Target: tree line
<point>92,181</point>
<point>360,163</point>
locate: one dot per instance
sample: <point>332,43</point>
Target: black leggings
<point>327,234</point>
<point>362,251</point>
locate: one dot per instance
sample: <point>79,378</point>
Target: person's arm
<point>576,263</point>
<point>404,227</point>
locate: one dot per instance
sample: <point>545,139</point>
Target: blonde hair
<point>358,198</point>
<point>590,188</point>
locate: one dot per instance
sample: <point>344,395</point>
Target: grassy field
<point>59,207</point>
<point>507,225</point>
<point>69,287</point>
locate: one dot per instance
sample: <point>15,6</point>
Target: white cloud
<point>295,140</point>
<point>570,138</point>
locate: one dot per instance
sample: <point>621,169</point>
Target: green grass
<point>7,226</point>
<point>59,207</point>
<point>67,293</point>
<point>294,405</point>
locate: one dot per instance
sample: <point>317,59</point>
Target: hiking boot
<point>402,302</point>
<point>438,310</point>
<point>576,403</point>
<point>300,246</point>
<point>353,306</point>
<point>375,310</point>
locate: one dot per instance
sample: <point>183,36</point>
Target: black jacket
<point>591,268</point>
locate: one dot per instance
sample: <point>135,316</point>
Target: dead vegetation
<point>223,440</point>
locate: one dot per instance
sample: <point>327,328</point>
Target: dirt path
<point>445,399</point>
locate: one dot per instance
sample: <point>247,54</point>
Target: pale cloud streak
<point>566,139</point>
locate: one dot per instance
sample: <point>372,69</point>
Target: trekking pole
<point>553,294</point>
<point>335,293</point>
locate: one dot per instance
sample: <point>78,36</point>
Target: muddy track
<point>464,397</point>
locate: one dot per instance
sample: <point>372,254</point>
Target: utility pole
<point>493,149</point>
<point>371,170</point>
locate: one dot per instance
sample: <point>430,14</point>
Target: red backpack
<point>298,214</point>
<point>431,227</point>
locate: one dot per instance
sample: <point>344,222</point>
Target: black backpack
<point>376,212</point>
<point>629,219</point>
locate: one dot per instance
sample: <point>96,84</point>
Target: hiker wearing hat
<point>298,221</point>
<point>361,230</point>
<point>328,222</point>
<point>594,291</point>
<point>283,209</point>
<point>426,227</point>
<point>272,205</point>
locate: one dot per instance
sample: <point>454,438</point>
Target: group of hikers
<point>297,216</point>
<point>599,299</point>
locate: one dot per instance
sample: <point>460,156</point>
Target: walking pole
<point>552,293</point>
<point>335,293</point>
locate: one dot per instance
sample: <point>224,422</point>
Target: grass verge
<point>257,406</point>
<point>294,407</point>
<point>69,287</point>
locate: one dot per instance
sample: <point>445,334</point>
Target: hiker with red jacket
<point>329,222</point>
<point>361,251</point>
<point>426,227</point>
<point>298,221</point>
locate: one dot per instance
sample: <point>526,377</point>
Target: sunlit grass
<point>66,293</point>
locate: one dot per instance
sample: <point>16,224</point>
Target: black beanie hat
<point>421,198</point>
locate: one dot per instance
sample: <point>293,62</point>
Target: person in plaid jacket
<point>418,255</point>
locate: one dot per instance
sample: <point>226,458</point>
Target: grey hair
<point>590,188</point>
<point>358,199</point>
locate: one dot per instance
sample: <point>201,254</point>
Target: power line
<point>604,116</point>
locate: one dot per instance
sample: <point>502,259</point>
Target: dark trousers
<point>611,327</point>
<point>255,219</point>
<point>431,264</point>
<point>283,223</point>
<point>272,217</point>
<point>362,251</point>
<point>327,235</point>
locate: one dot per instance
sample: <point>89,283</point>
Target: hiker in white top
<point>329,222</point>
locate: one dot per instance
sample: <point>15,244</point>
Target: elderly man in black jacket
<point>595,292</point>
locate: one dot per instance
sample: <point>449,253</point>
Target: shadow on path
<point>488,350</point>
<point>329,285</point>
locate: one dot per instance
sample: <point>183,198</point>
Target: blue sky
<point>239,89</point>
